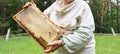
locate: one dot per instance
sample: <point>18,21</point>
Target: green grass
<point>21,44</point>
<point>107,44</point>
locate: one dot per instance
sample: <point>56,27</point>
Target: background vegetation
<point>106,14</point>
<point>24,44</point>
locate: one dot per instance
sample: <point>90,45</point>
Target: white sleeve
<point>80,37</point>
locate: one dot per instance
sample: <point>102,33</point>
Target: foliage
<point>109,18</point>
<point>95,7</point>
<point>10,7</point>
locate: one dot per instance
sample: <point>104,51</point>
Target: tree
<point>3,16</point>
<point>104,21</point>
<point>102,16</point>
<point>118,16</point>
<point>105,12</point>
<point>11,7</point>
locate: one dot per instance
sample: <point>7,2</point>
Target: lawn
<point>22,44</point>
<point>107,44</point>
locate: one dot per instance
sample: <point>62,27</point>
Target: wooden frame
<point>38,25</point>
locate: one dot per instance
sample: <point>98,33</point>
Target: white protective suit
<point>76,18</point>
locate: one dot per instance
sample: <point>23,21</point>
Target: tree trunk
<point>3,17</point>
<point>4,10</point>
<point>108,8</point>
<point>118,16</point>
<point>94,1</point>
<point>101,17</point>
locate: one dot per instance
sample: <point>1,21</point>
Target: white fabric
<point>77,19</point>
